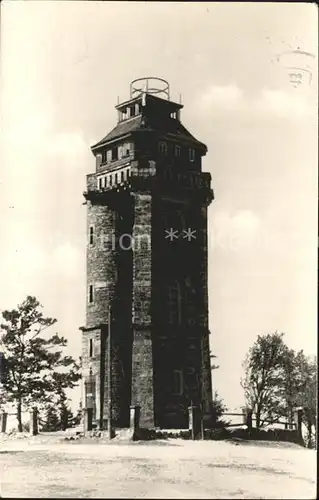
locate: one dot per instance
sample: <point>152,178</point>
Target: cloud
<point>67,257</point>
<point>283,104</point>
<point>288,103</point>
<point>66,144</point>
<point>239,231</point>
<point>222,97</point>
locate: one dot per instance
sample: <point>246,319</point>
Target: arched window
<point>174,304</point>
<point>178,382</point>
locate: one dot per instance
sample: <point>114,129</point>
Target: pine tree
<point>35,364</point>
<point>51,422</point>
<point>78,417</point>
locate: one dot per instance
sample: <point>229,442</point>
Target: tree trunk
<point>19,416</point>
<point>258,415</point>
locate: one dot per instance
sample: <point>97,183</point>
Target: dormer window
<point>115,153</point>
<point>173,115</point>
<point>104,156</point>
<point>124,114</point>
<point>162,148</point>
<point>126,149</point>
<point>132,110</point>
<point>191,153</point>
<point>109,156</point>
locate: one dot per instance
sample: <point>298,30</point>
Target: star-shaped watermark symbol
<point>189,234</point>
<point>171,234</point>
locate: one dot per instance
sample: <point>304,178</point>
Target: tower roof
<point>155,115</point>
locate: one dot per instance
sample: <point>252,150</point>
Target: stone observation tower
<point>147,260</point>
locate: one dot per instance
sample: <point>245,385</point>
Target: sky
<point>63,66</point>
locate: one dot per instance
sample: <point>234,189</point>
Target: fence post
<point>88,419</point>
<point>194,423</point>
<point>298,422</point>
<point>248,419</point>
<point>3,421</point>
<point>34,422</point>
<point>135,411</point>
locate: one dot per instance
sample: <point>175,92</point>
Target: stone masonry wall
<point>206,364</point>
<point>101,266</point>
<point>142,355</point>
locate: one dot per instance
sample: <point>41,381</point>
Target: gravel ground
<point>46,466</point>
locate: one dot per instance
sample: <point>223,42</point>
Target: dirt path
<point>174,469</point>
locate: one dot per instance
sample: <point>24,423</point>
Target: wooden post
<point>87,420</point>
<point>191,423</point>
<point>135,419</point>
<point>298,422</point>
<point>34,422</point>
<point>202,430</point>
<point>109,381</point>
<point>194,423</point>
<point>3,420</point>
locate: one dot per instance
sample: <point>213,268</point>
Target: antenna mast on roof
<point>118,111</point>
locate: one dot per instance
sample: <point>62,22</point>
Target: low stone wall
<point>291,436</point>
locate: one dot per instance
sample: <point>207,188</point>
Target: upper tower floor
<point>149,147</point>
<point>149,127</point>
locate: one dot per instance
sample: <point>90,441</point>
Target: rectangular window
<point>177,151</point>
<point>115,153</point>
<point>91,348</point>
<point>191,154</point>
<point>91,235</point>
<point>178,382</point>
<point>110,180</point>
<point>122,176</point>
<point>100,183</point>
<point>132,110</point>
<point>162,148</point>
<point>91,294</point>
<point>109,155</point>
<point>126,149</point>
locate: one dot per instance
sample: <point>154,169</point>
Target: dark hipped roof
<point>122,128</point>
<point>171,127</point>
